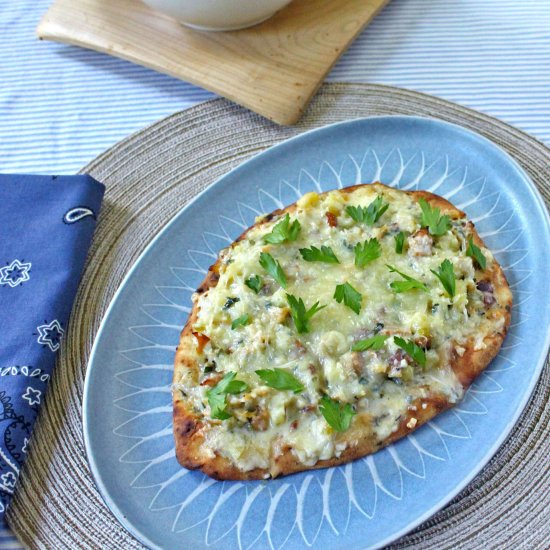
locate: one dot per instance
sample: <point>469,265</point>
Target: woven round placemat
<point>150,176</point>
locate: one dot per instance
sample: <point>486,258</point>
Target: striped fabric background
<point>8,540</point>
<point>61,106</point>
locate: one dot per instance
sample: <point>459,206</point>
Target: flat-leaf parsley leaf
<point>374,343</point>
<point>408,284</point>
<point>300,315</point>
<point>415,351</point>
<point>337,416</point>
<point>431,218</point>
<point>347,294</point>
<point>273,267</point>
<point>254,283</point>
<point>446,275</point>
<point>399,242</point>
<point>280,379</point>
<point>369,215</point>
<point>284,231</point>
<point>475,252</point>
<point>217,395</point>
<point>325,254</point>
<point>240,321</point>
<point>367,252</point>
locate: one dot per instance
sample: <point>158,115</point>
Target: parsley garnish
<point>367,252</point>
<point>358,213</point>
<point>416,352</point>
<point>300,315</point>
<point>313,254</point>
<point>254,283</point>
<point>217,395</point>
<point>371,214</point>
<point>280,379</point>
<point>446,275</point>
<point>273,267</point>
<point>284,231</point>
<point>475,252</point>
<point>436,224</point>
<point>231,301</point>
<point>408,284</point>
<point>337,416</point>
<point>374,343</point>
<point>240,321</point>
<point>349,296</point>
<point>399,242</point>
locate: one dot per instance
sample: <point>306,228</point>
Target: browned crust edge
<point>187,424</point>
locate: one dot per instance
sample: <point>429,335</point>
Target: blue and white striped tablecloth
<point>8,539</point>
<point>61,106</point>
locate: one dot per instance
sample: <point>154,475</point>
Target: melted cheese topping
<point>380,385</point>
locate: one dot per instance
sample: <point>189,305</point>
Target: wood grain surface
<point>273,68</point>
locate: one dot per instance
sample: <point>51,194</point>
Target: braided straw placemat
<point>150,176</point>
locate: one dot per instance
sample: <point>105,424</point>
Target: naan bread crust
<point>191,452</point>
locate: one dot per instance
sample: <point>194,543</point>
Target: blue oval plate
<point>374,500</point>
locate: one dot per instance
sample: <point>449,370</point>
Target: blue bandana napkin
<point>46,226</point>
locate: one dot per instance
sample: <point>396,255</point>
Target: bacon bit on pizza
<point>299,346</point>
<point>412,423</point>
<point>260,422</point>
<point>332,220</point>
<point>202,340</point>
<point>212,381</point>
<point>293,425</point>
<point>298,350</point>
<point>382,232</point>
<point>420,243</point>
<point>283,313</point>
<point>357,363</point>
<point>488,292</point>
<point>423,341</point>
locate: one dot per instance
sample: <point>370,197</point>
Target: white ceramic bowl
<point>218,15</point>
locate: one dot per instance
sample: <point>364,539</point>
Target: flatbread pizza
<point>330,329</point>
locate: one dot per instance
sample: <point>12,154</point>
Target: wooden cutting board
<point>273,68</point>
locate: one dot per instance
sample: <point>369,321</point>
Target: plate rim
<point>102,490</point>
